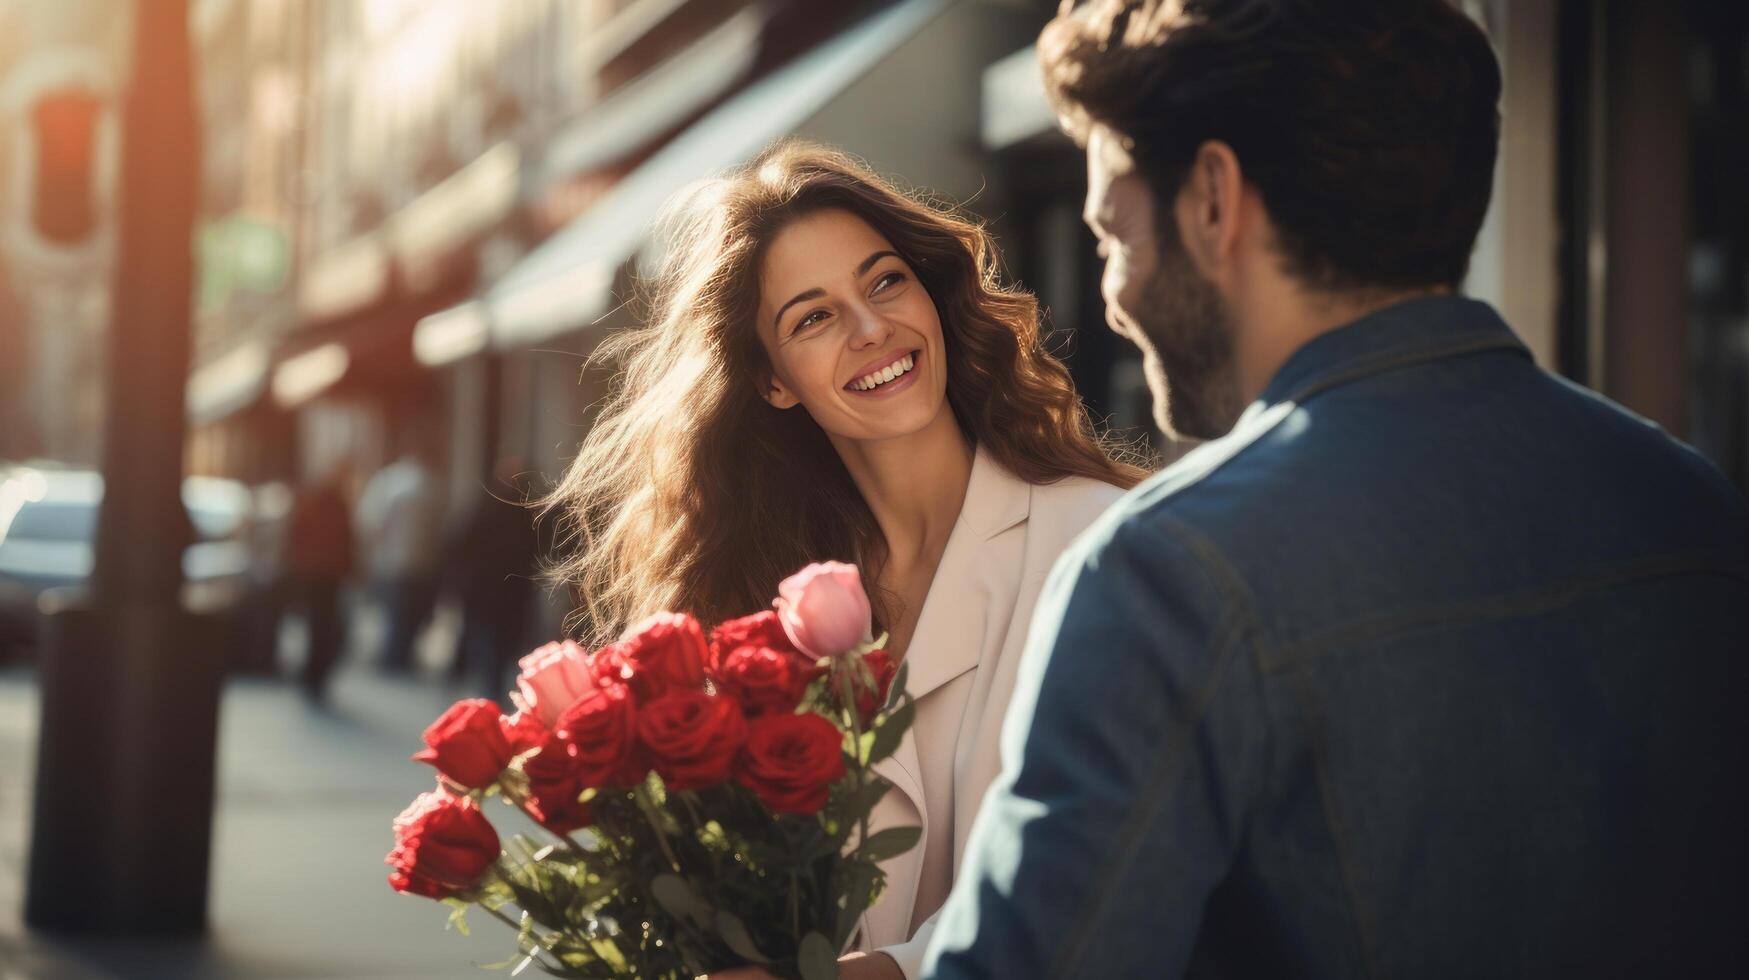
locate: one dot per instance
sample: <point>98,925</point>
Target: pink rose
<point>553,678</point>
<point>824,609</point>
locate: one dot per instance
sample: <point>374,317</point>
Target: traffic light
<point>63,207</point>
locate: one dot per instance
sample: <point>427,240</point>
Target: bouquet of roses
<point>703,800</point>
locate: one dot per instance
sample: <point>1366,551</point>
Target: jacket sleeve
<point>1132,747</point>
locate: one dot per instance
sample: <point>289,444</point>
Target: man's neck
<point>1273,323</point>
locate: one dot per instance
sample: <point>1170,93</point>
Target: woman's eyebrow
<point>869,262</point>
<point>815,293</point>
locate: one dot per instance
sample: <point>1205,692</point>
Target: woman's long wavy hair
<point>692,493</point>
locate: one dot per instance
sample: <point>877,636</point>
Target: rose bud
<point>554,791</point>
<point>791,761</point>
<point>443,846</point>
<point>692,737</point>
<point>553,678</point>
<point>600,735</point>
<point>467,744</point>
<point>869,701</point>
<point>764,680</point>
<point>661,654</point>
<point>824,609</point>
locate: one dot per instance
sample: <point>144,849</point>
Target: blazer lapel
<point>951,626</point>
<point>952,629</point>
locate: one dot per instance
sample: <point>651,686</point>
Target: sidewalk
<point>305,798</point>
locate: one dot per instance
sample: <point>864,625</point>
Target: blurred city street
<point>305,797</point>
<point>317,289</point>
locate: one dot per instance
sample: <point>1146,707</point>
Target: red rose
<point>762,629</point>
<point>443,846</point>
<point>692,737</point>
<point>600,738</point>
<point>523,730</point>
<point>869,701</point>
<point>467,744</point>
<point>554,789</point>
<point>790,761</point>
<point>764,680</point>
<point>663,653</point>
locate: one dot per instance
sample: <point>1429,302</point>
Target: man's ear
<point>775,392</point>
<point>1210,206</point>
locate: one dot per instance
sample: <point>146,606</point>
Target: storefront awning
<point>232,381</point>
<point>344,280</point>
<point>1015,107</point>
<point>568,281</point>
<point>655,103</point>
<point>448,217</point>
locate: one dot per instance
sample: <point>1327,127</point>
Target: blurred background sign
<point>57,103</point>
<point>241,252</point>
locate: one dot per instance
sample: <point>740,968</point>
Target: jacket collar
<point>1427,328</point>
<point>950,625</point>
<point>996,499</point>
<point>953,623</point>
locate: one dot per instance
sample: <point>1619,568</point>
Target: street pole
<point>121,838</point>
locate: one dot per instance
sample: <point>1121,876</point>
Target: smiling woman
<point>831,370</point>
<point>795,283</point>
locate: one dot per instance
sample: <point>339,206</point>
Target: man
<point>319,551</point>
<point>1430,665</point>
<point>399,518</point>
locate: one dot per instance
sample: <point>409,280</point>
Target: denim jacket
<point>1435,666</point>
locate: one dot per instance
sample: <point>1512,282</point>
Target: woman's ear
<point>775,392</point>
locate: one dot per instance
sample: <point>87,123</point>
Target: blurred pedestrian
<point>318,559</point>
<point>491,565</point>
<point>399,515</point>
<point>268,584</point>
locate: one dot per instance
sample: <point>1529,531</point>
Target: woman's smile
<point>888,375</point>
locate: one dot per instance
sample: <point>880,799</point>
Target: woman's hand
<point>856,966</point>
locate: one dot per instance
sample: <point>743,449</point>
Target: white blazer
<point>965,649</point>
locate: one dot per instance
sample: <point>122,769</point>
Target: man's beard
<point>1186,334</point>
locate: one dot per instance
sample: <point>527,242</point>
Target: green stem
<point>647,806</point>
<point>847,691</point>
<point>512,923</point>
<point>521,803</point>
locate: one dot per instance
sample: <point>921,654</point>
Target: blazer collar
<point>950,634</point>
<point>996,499</point>
<point>953,626</point>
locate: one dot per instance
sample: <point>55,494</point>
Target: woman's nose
<point>869,330</point>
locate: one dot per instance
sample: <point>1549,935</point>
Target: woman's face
<point>852,335</point>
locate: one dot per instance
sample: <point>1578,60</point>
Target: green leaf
<point>897,691</point>
<point>891,732</point>
<point>678,899</point>
<point>734,933</point>
<point>816,959</point>
<point>890,842</point>
<point>857,881</point>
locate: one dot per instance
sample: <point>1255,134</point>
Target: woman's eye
<point>890,279</point>
<point>811,319</point>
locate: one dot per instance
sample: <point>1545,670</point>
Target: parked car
<point>48,528</point>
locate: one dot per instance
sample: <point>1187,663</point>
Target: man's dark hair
<point>1370,126</point>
